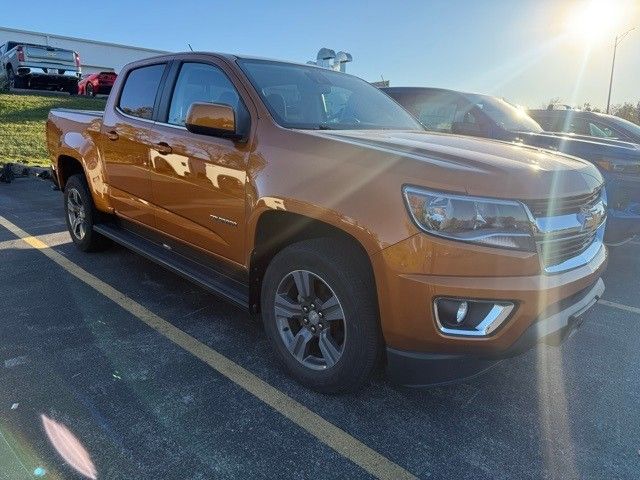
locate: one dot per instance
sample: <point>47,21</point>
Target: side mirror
<point>213,119</point>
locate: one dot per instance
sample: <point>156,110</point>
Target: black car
<point>449,111</point>
<point>591,124</point>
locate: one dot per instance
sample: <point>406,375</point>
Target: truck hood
<point>472,165</point>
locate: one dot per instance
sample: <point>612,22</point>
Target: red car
<point>93,83</point>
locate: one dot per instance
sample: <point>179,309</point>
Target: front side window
<point>139,91</point>
<point>199,82</point>
<point>301,96</point>
<point>438,112</point>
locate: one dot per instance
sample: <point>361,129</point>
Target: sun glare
<point>595,19</point>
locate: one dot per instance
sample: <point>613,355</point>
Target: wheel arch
<point>67,166</point>
<point>274,230</point>
<point>68,163</point>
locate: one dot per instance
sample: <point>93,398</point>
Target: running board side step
<point>212,280</point>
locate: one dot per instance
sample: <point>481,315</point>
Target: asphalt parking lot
<point>128,371</point>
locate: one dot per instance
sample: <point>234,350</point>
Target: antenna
<point>190,48</point>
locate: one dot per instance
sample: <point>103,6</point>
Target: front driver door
<point>199,181</point>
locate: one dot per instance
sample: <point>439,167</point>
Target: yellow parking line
<point>620,306</point>
<point>334,437</point>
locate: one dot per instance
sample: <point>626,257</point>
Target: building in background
<point>95,56</point>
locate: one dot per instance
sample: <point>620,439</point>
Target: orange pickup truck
<point>312,199</point>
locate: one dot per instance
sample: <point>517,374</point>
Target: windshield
<point>312,98</point>
<point>505,115</point>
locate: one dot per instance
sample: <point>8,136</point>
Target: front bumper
<point>411,274</point>
<point>557,324</point>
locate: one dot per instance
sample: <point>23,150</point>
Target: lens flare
<point>595,20</point>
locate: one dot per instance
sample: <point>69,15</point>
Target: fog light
<point>462,312</point>
<point>470,317</point>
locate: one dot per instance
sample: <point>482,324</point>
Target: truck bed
<point>65,120</point>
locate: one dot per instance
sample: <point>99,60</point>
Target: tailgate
<point>50,55</point>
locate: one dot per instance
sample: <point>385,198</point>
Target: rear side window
<point>139,92</point>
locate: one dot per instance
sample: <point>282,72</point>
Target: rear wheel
<point>11,79</point>
<point>81,215</point>
<point>320,313</point>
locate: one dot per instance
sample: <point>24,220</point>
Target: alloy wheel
<point>76,213</point>
<point>310,320</point>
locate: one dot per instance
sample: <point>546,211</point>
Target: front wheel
<point>88,89</point>
<point>320,313</point>
<point>81,215</point>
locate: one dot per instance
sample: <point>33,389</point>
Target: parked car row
<point>358,232</point>
<point>42,67</point>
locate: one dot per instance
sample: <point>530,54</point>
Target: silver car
<point>25,65</point>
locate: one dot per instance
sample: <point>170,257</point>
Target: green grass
<point>22,124</point>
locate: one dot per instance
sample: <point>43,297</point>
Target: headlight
<point>486,221</point>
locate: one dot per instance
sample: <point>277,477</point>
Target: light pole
<point>619,39</point>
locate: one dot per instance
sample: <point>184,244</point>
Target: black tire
<point>88,90</point>
<point>342,267</point>
<point>76,192</point>
<point>10,85</point>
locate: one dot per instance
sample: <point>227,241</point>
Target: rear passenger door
<point>127,136</point>
<point>199,181</point>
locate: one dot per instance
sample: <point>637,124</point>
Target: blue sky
<point>518,49</point>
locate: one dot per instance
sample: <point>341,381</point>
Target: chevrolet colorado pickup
<point>490,117</point>
<point>313,200</point>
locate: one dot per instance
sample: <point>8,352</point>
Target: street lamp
<point>617,42</point>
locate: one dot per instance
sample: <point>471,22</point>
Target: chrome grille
<point>562,206</point>
<point>567,228</point>
<point>557,250</point>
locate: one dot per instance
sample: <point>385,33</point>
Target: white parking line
<point>620,306</point>
<point>334,437</point>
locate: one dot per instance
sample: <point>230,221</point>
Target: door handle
<point>163,148</point>
<point>113,135</point>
